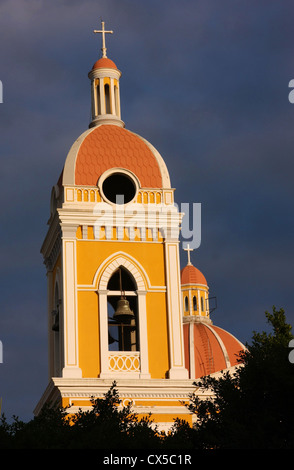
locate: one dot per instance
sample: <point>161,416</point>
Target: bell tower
<point>113,270</point>
<point>119,307</point>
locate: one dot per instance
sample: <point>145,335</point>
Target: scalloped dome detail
<point>110,146</point>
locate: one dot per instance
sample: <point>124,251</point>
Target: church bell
<point>123,313</point>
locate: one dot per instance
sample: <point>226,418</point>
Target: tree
<point>106,426</point>
<point>252,408</point>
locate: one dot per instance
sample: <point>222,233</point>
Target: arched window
<point>194,303</point>
<point>107,99</point>
<point>122,312</point>
<point>98,99</point>
<point>186,304</point>
<point>202,304</point>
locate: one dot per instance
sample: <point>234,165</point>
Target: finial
<point>188,249</point>
<point>103,31</point>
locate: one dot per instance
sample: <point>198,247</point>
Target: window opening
<point>122,312</point>
<point>119,188</point>
<point>107,99</point>
<point>194,303</point>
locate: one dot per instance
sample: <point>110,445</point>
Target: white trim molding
<point>102,277</point>
<point>175,314</point>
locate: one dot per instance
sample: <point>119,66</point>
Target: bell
<point>123,313</point>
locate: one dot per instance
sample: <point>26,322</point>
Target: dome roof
<point>192,275</point>
<point>105,63</point>
<point>109,146</point>
<point>214,349</point>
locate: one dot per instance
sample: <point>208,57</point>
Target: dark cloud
<point>207,84</point>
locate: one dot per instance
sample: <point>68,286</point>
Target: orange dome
<point>214,349</point>
<point>192,275</point>
<point>105,63</point>
<point>109,146</point>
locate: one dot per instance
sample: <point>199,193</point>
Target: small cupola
<point>105,95</point>
<point>195,293</point>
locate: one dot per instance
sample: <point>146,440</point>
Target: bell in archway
<point>123,313</point>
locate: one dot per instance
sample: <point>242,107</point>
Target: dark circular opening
<point>119,188</point>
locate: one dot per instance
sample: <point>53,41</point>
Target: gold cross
<point>188,249</point>
<point>103,31</point>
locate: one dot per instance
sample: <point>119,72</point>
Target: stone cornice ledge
<point>87,387</point>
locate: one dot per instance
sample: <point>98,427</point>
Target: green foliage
<point>253,408</point>
<point>108,425</point>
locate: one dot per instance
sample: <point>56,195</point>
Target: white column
<point>93,99</point>
<point>144,374</point>
<point>190,303</point>
<point>199,302</point>
<point>112,97</point>
<point>192,350</point>
<point>103,332</point>
<point>173,287</point>
<point>102,96</point>
<point>70,311</point>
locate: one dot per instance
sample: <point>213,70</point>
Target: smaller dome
<point>214,349</point>
<point>104,63</point>
<point>192,275</point>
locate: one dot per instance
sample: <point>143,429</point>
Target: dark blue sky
<point>206,82</point>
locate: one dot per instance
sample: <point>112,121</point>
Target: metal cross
<point>103,31</point>
<point>188,249</point>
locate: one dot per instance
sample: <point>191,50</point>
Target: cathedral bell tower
<point>112,259</point>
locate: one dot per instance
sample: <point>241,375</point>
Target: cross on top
<point>103,32</point>
<point>188,249</point>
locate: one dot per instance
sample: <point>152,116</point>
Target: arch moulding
<point>111,264</point>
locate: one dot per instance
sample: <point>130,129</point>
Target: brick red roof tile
<point>192,275</point>
<point>110,146</point>
<point>212,346</point>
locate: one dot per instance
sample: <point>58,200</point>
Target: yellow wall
<point>90,255</point>
<point>89,356</point>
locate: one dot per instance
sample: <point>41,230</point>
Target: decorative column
<point>174,305</point>
<point>103,332</point>
<point>144,363</point>
<point>70,313</point>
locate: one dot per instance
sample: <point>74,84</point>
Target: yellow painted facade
<point>90,255</point>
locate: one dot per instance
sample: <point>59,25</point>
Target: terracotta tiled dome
<point>214,349</point>
<point>104,62</point>
<point>110,146</point>
<point>192,275</point>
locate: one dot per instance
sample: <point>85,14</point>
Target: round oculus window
<point>119,188</point>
